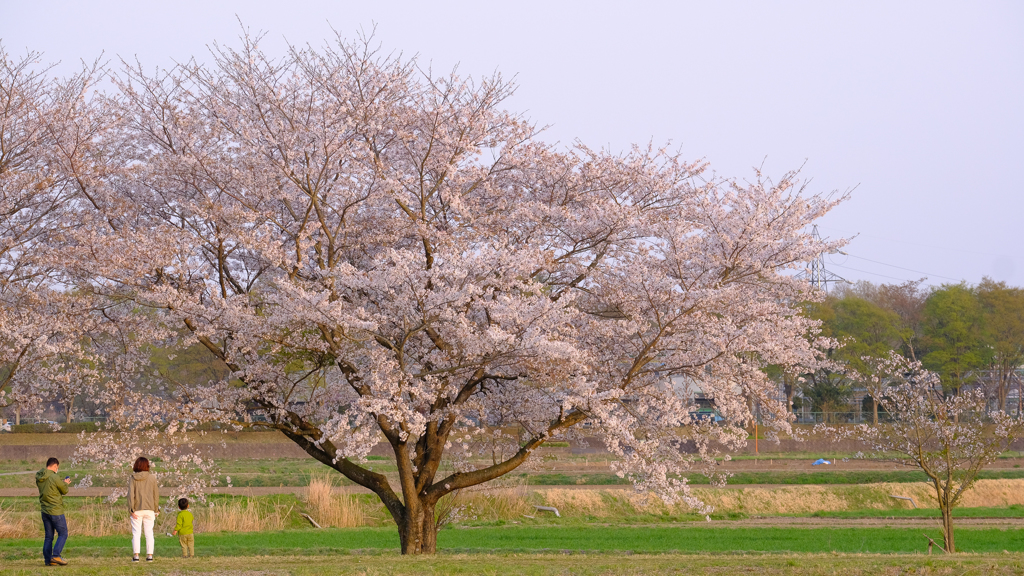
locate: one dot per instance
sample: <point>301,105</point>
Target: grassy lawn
<point>1014,511</point>
<point>689,538</point>
<point>555,564</point>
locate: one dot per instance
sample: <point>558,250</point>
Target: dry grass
<point>502,499</point>
<point>93,518</point>
<point>243,515</point>
<point>331,509</point>
<point>599,503</point>
<point>781,499</point>
<point>13,526</point>
<point>508,500</point>
<point>791,499</point>
<point>97,518</point>
<point>984,493</point>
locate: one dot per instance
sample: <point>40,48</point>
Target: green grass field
<point>689,538</point>
<point>550,564</point>
<point>1014,511</point>
<point>604,536</point>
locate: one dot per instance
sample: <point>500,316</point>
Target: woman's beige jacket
<point>143,492</point>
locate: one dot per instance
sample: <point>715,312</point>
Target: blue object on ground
<point>820,461</point>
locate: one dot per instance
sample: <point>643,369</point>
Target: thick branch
<point>461,480</point>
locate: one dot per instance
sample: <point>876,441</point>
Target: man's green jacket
<point>51,492</point>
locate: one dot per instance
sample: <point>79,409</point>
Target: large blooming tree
<point>381,254</point>
<point>49,130</point>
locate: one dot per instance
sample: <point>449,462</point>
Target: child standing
<point>183,528</point>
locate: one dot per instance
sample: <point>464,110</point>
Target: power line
<point>819,277</point>
<point>901,268</point>
<point>933,246</point>
<point>872,273</point>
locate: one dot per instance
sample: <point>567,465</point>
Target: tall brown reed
<point>98,518</point>
<point>330,509</point>
<point>502,499</point>
<point>12,526</point>
<point>92,518</point>
<point>242,515</point>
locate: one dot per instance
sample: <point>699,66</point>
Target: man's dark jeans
<point>52,524</point>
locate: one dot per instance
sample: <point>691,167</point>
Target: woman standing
<point>144,505</point>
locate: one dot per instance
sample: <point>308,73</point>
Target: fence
<point>853,417</point>
<point>848,417</point>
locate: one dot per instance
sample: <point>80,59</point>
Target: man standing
<point>51,503</point>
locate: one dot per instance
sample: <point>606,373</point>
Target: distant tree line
<point>972,336</point>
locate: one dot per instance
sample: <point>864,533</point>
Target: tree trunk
<point>68,408</point>
<point>942,494</point>
<point>874,410</point>
<point>418,529</point>
<point>1003,390</point>
<point>1020,398</point>
<point>414,511</point>
<point>947,527</point>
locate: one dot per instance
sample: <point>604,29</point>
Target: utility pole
<point>818,276</point>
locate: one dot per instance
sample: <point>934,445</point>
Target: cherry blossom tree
<point>951,438</point>
<point>47,130</point>
<point>379,253</point>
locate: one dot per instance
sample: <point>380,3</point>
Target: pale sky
<point>919,106</point>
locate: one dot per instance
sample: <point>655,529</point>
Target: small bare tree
<point>950,438</point>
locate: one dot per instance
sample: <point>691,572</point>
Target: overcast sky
<point>918,106</point>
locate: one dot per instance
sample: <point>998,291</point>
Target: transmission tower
<point>818,276</point>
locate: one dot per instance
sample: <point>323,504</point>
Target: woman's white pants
<point>144,522</point>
